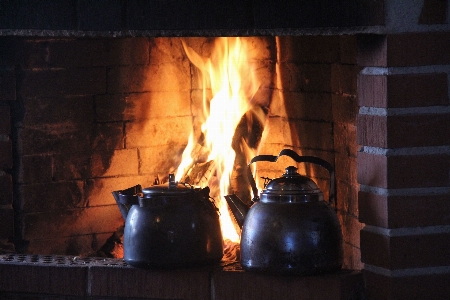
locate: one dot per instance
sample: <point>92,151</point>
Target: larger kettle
<point>169,225</point>
<point>289,229</point>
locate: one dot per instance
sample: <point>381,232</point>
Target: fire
<point>229,83</point>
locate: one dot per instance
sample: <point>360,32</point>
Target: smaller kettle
<point>289,229</point>
<point>169,225</point>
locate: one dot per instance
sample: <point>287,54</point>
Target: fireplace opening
<point>88,105</point>
<point>95,115</point>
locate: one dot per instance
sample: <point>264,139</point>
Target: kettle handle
<point>294,155</point>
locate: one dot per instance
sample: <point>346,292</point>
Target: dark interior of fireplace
<point>99,115</point>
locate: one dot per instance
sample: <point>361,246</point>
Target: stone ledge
<point>186,17</point>
<point>314,31</point>
<point>47,276</point>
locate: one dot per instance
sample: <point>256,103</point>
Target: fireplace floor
<point>69,277</point>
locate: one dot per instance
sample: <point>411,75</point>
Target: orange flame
<point>232,80</point>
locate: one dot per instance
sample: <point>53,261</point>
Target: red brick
<point>110,108</point>
<point>351,228</point>
<point>347,198</point>
<point>158,132</point>
<point>6,188</point>
<point>314,78</point>
<point>69,166</point>
<point>77,245</point>
<point>372,90</point>
<point>408,49</point>
<point>57,279</point>
<point>53,83</point>
<point>352,257</point>
<point>275,128</point>
<point>409,90</point>
<point>341,285</point>
<point>159,160</point>
<point>109,136</point>
<point>115,163</point>
<point>54,53</point>
<point>305,77</point>
<point>54,196</point>
<point>7,86</point>
<point>343,79</point>
<point>6,160</point>
<point>345,166</point>
<point>7,222</point>
<point>56,138</point>
<point>389,131</point>
<point>403,211</point>
<point>170,50</point>
<point>405,171</point>
<point>74,222</point>
<point>142,106</point>
<point>348,49</point>
<point>5,119</point>
<point>372,50</point>
<point>58,113</point>
<point>54,125</point>
<point>412,90</point>
<point>411,287</point>
<point>345,109</point>
<point>98,190</point>
<point>310,134</point>
<point>108,281</point>
<point>306,106</point>
<point>433,12</point>
<point>371,130</point>
<point>35,169</point>
<point>149,78</point>
<point>428,130</point>
<point>418,171</point>
<point>345,140</point>
<point>311,49</point>
<point>407,251</point>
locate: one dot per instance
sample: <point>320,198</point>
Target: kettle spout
<point>126,198</point>
<point>238,208</point>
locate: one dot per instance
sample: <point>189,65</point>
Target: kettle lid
<point>167,189</point>
<point>291,183</point>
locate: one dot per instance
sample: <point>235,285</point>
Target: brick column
<point>403,127</point>
<point>7,94</point>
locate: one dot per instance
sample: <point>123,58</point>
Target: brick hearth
<point>69,277</point>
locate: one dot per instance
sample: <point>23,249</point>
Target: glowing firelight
<point>232,82</point>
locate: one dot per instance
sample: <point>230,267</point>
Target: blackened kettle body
<point>172,225</point>
<point>290,229</point>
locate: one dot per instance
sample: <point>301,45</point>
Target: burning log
<point>199,174</point>
<point>204,174</point>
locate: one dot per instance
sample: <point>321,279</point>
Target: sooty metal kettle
<point>169,225</point>
<point>289,229</point>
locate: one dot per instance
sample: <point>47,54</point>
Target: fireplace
<point>97,98</point>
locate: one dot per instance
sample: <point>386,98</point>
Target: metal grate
<point>60,260</point>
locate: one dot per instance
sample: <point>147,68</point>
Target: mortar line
<point>408,272</point>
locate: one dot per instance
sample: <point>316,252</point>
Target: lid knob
<point>291,170</point>
<point>172,182</point>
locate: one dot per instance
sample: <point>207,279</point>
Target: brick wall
<point>7,96</point>
<point>66,277</point>
<point>85,126</point>
<point>403,168</point>
<point>97,115</point>
<point>313,111</point>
